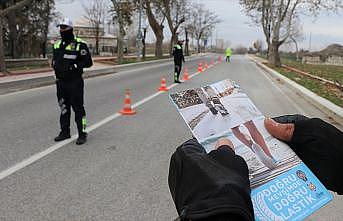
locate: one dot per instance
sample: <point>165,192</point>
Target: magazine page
<point>283,188</point>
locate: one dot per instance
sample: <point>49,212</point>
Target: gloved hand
<point>318,144</point>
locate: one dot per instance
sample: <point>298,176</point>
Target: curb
<point>24,84</point>
<point>323,104</point>
<point>29,83</point>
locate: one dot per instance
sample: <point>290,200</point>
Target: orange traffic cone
<point>185,75</point>
<point>220,59</point>
<point>127,110</point>
<point>163,86</point>
<point>200,67</point>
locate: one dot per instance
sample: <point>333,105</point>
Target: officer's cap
<point>65,21</point>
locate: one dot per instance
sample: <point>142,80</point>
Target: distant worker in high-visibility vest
<point>228,54</point>
<point>178,59</point>
<point>70,56</point>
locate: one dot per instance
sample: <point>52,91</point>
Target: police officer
<point>70,56</point>
<point>228,54</point>
<point>178,59</point>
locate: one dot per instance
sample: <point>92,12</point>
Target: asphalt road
<point>121,172</point>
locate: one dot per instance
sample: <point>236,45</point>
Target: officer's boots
<point>62,136</point>
<point>81,139</point>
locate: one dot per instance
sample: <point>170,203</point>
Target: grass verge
<point>332,93</point>
<point>329,72</point>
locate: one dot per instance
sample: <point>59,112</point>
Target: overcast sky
<point>237,28</point>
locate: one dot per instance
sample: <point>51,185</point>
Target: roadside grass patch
<point>329,72</point>
<point>333,94</point>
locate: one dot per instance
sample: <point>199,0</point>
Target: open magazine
<point>283,188</point>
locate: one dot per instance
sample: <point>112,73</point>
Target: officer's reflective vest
<point>228,52</point>
<point>177,46</point>
<point>70,47</point>
<point>64,60</point>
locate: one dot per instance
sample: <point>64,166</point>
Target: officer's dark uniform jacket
<point>205,185</point>
<point>69,60</point>
<point>178,54</point>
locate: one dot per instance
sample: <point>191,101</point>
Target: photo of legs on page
<point>255,141</point>
<point>265,155</point>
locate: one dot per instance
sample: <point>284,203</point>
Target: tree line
<point>188,17</point>
<point>24,24</point>
<point>24,28</point>
<point>280,20</point>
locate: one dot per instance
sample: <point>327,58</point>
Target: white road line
<point>26,162</point>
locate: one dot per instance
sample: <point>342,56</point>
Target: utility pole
<point>139,33</point>
<point>309,47</point>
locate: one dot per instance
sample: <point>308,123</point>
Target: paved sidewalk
<point>34,74</point>
<point>23,76</point>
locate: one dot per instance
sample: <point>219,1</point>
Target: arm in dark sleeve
<point>85,59</point>
<point>227,158</point>
<point>181,54</point>
<point>174,52</point>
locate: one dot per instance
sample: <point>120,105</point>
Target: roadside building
<point>332,55</point>
<point>107,41</point>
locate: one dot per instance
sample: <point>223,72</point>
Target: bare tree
<point>277,18</point>
<point>5,10</point>
<point>175,12</point>
<point>122,13</point>
<point>96,14</point>
<point>296,35</point>
<point>156,20</point>
<point>258,45</point>
<point>187,41</point>
<point>201,23</point>
<point>240,49</point>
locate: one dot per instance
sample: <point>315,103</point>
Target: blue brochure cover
<point>292,195</point>
<point>283,188</point>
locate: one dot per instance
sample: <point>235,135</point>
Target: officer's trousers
<point>70,94</point>
<point>177,70</point>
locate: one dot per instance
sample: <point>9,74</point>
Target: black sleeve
<point>174,51</point>
<point>320,146</point>
<point>227,158</point>
<point>84,59</point>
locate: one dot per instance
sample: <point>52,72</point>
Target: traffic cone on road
<point>127,110</point>
<point>163,86</point>
<point>185,75</point>
<point>220,59</point>
<point>200,67</point>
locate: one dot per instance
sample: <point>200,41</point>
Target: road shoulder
<point>325,105</point>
